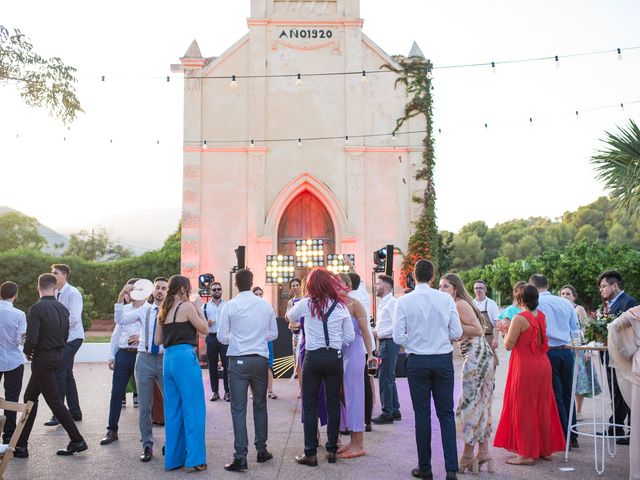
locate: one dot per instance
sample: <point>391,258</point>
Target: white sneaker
<point>579,416</point>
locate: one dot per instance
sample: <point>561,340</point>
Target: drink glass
<point>576,337</point>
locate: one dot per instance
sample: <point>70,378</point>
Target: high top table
<point>601,443</point>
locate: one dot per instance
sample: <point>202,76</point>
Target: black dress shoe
<point>147,455</point>
<point>397,416</point>
<point>52,422</point>
<point>77,418</point>
<point>21,452</point>
<point>332,457</point>
<point>264,456</point>
<point>622,441</point>
<point>73,447</point>
<point>311,461</point>
<point>419,473</point>
<point>382,419</point>
<point>236,466</point>
<point>227,397</point>
<point>367,427</point>
<point>214,396</point>
<point>573,443</point>
<point>451,476</point>
<point>345,432</point>
<point>110,437</point>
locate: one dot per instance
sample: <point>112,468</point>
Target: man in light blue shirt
<point>561,321</point>
<point>215,349</point>
<point>13,326</point>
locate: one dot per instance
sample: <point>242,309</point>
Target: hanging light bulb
<point>577,114</point>
<point>493,67</point>
<point>622,106</point>
<point>364,80</point>
<point>251,145</point>
<point>394,139</point>
<point>204,144</point>
<point>619,54</point>
<point>299,80</point>
<point>299,142</point>
<point>557,61</point>
<point>346,140</point>
<point>530,120</point>
<point>234,84</point>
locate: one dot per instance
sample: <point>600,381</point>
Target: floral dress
<point>583,382</point>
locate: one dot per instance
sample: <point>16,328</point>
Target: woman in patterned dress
<point>474,405</point>
<point>583,382</point>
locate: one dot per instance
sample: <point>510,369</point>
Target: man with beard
<point>211,311</point>
<point>149,361</point>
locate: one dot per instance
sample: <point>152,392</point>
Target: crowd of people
<point>154,344</point>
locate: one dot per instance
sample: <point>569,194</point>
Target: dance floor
<point>391,448</point>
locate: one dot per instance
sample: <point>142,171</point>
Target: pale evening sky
<point>506,171</point>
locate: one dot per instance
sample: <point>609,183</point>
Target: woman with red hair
<point>328,326</point>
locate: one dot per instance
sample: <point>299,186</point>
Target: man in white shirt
<point>425,321</point>
<point>122,360</point>
<point>388,351</point>
<point>70,297</point>
<point>488,313</point>
<point>149,359</point>
<point>247,324</point>
<point>215,349</point>
<point>13,327</point>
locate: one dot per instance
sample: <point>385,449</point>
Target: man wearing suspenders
<point>211,311</point>
<point>488,313</point>
<point>148,369</point>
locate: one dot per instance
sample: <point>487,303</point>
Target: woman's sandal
<point>519,461</point>
<point>468,462</point>
<point>197,468</point>
<point>361,453</point>
<point>272,395</point>
<point>486,460</point>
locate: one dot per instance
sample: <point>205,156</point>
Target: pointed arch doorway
<point>305,217</point>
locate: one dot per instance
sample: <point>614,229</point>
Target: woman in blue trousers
<point>179,320</point>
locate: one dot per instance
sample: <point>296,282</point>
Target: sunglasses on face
<point>216,289</point>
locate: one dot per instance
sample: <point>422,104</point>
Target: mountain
<point>56,243</point>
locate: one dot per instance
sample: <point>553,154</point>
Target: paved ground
<point>391,448</point>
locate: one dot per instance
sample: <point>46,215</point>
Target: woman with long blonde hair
<point>478,370</point>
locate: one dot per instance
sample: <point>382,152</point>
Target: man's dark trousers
<point>562,378</point>
<point>388,351</point>
<point>44,365</point>
<point>12,388</point>
<point>125,367</point>
<point>368,395</point>
<point>65,380</point>
<point>215,349</point>
<point>433,375</point>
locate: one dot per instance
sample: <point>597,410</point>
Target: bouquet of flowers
<point>596,327</point>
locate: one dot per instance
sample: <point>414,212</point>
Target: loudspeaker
<point>240,258</point>
<point>388,261</point>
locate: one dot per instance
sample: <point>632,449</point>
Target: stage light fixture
<point>310,253</point>
<point>383,260</point>
<point>335,262</point>
<point>279,268</point>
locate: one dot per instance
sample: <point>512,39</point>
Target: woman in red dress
<point>529,424</point>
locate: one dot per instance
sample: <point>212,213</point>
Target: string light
<point>364,79</point>
<point>577,114</point>
<point>168,78</point>
<point>252,144</point>
<point>394,140</point>
<point>299,142</point>
<point>622,106</point>
<point>346,139</point>
<point>299,80</point>
<point>234,83</point>
<point>493,67</point>
<point>204,145</point>
<point>557,61</point>
<point>619,54</point>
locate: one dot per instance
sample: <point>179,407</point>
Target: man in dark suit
<point>617,301</point>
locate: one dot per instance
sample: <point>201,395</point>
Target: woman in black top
<point>179,322</point>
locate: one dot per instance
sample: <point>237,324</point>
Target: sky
<point>120,164</point>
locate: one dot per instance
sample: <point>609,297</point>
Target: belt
<point>562,347</point>
<point>213,334</point>
<point>385,339</point>
<point>130,349</point>
<point>149,353</point>
<point>247,356</point>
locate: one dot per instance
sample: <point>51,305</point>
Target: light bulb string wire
<point>364,73</point>
<point>438,129</point>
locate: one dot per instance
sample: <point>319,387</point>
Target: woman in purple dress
<point>355,356</point>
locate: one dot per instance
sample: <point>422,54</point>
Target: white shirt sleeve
<point>273,325</point>
<point>455,327</point>
<point>75,310</point>
<point>399,325</point>
<point>224,327</point>
<point>115,339</point>
<point>492,311</point>
<point>122,318</point>
<point>295,312</point>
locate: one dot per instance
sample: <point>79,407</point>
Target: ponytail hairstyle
<point>176,284</point>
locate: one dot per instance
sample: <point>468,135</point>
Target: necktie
<point>154,348</point>
<point>58,296</point>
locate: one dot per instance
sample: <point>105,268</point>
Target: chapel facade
<point>267,161</point>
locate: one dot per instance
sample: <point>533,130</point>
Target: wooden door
<point>305,217</point>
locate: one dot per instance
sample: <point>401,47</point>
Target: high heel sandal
<point>468,463</point>
<point>488,461</point>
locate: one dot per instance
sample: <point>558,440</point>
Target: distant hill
<point>56,242</point>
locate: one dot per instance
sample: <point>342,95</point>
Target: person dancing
<point>478,372</point>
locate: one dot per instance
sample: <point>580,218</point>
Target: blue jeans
<point>562,379</point>
<point>125,366</point>
<point>388,351</point>
<point>64,377</point>
<point>433,375</point>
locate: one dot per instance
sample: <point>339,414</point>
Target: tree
<point>587,233</point>
<point>42,82</point>
<point>19,230</point>
<point>618,165</point>
<point>95,245</point>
